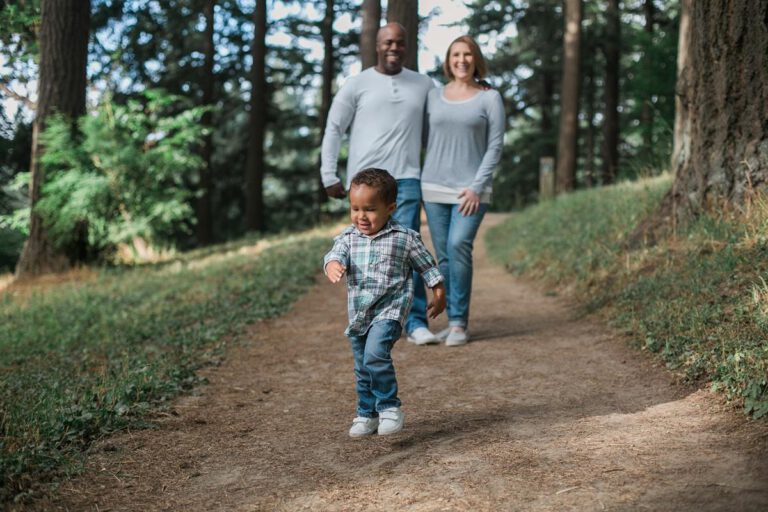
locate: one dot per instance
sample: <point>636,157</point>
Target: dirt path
<point>542,411</point>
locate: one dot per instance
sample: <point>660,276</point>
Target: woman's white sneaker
<point>363,426</point>
<point>391,421</point>
<point>456,338</point>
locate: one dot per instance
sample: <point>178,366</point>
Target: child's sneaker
<point>363,426</point>
<point>391,421</point>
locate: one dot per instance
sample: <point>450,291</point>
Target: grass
<point>82,359</point>
<point>698,299</point>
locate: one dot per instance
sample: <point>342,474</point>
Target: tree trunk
<point>371,20</point>
<point>204,206</point>
<point>569,100</point>
<point>63,39</point>
<point>589,137</point>
<point>682,131</point>
<point>254,179</point>
<point>611,87</point>
<point>646,114</point>
<point>406,12</point>
<point>546,123</point>
<point>326,91</point>
<point>726,91</point>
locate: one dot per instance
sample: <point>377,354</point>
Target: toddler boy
<point>379,255</point>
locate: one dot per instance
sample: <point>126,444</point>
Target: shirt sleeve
<point>495,141</point>
<point>423,262</point>
<point>340,116</point>
<point>339,252</point>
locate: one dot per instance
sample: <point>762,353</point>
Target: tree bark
<point>254,179</point>
<point>63,39</point>
<point>726,91</point>
<point>646,114</point>
<point>682,129</point>
<point>569,100</point>
<point>371,21</point>
<point>611,47</point>
<point>326,90</point>
<point>406,12</point>
<point>204,202</point>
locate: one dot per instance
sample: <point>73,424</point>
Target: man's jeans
<point>453,236</point>
<point>408,213</point>
<point>376,384</point>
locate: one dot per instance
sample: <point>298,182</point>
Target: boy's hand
<point>335,271</point>
<point>437,305</point>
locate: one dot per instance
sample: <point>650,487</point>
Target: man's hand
<point>336,190</point>
<point>470,202</point>
<point>335,271</point>
<point>437,305</point>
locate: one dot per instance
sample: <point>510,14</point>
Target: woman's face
<point>461,61</point>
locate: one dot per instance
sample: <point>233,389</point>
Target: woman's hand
<point>470,202</point>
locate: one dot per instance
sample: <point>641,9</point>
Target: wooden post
<point>546,178</point>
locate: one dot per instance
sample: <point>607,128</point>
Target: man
<point>384,106</point>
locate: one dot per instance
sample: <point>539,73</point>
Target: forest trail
<point>543,410</point>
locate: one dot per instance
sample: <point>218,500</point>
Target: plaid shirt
<point>379,273</point>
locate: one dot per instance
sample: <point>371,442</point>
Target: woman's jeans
<point>375,384</point>
<point>408,213</point>
<point>453,236</point>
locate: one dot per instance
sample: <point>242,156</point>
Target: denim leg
<point>439,220</point>
<point>453,235</point>
<point>377,361</point>
<point>408,213</point>
<point>366,402</point>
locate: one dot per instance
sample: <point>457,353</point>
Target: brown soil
<point>543,410</point>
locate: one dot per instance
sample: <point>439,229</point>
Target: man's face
<point>390,49</point>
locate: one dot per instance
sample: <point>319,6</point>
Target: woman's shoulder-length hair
<point>477,56</point>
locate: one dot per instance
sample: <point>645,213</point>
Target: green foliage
<point>697,299</point>
<point>82,360</point>
<point>124,175</point>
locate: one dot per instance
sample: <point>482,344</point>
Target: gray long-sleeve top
<point>463,146</point>
<point>386,113</point>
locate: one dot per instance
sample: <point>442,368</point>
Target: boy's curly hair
<point>379,179</point>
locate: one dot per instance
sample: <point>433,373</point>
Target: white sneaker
<point>422,336</point>
<point>457,338</point>
<point>363,426</point>
<point>391,421</point>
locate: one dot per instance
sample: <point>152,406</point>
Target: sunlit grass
<point>80,358</point>
<point>697,298</point>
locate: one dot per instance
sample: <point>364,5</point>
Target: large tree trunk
<point>371,21</point>
<point>254,195</point>
<point>326,90</point>
<point>204,206</point>
<point>682,130</point>
<point>646,114</point>
<point>569,101</point>
<point>64,32</point>
<point>611,47</point>
<point>406,12</point>
<point>727,97</point>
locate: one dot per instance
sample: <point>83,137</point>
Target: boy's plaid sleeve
<point>339,252</point>
<point>423,262</point>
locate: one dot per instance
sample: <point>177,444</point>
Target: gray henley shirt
<point>386,113</point>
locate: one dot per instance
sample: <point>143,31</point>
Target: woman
<point>466,132</point>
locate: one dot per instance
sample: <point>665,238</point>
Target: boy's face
<point>368,210</point>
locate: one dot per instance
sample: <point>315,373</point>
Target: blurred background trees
<point>254,79</point>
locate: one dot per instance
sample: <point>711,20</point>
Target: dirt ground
<point>543,410</point>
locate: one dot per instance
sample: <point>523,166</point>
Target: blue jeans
<point>375,380</point>
<point>408,213</point>
<point>453,236</point>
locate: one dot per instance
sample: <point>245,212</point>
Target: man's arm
<point>340,116</point>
